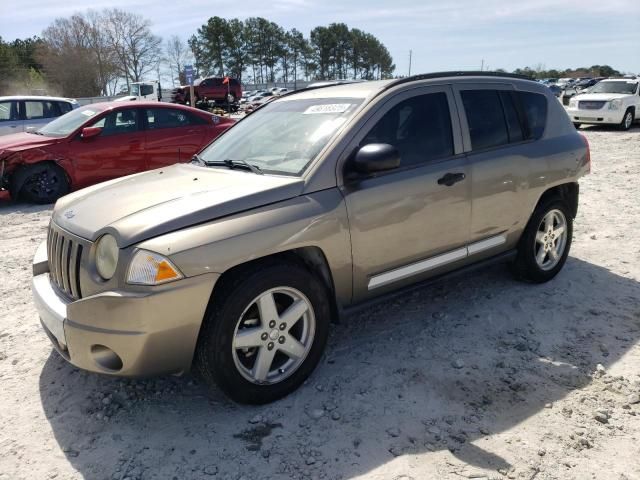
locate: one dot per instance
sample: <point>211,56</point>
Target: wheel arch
<point>568,192</point>
<point>311,257</point>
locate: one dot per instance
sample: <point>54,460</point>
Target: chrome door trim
<point>486,244</point>
<point>416,268</point>
<point>422,266</point>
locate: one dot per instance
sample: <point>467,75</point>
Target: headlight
<point>107,256</point>
<point>573,103</point>
<point>615,104</point>
<point>149,268</point>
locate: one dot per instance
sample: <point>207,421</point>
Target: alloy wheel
<point>42,185</point>
<point>551,240</point>
<point>273,335</point>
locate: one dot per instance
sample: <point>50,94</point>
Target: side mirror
<point>90,132</point>
<point>376,157</point>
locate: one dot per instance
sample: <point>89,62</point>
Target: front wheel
<point>265,332</point>
<point>627,120</point>
<point>545,243</point>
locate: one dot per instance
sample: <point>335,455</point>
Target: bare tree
<point>137,48</point>
<point>104,53</point>
<point>67,57</point>
<point>177,54</point>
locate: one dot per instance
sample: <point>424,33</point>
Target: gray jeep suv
<point>317,202</point>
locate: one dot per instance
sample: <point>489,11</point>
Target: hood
<point>17,142</point>
<point>603,97</point>
<point>149,204</point>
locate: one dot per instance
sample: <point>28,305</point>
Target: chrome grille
<point>64,254</point>
<point>590,105</point>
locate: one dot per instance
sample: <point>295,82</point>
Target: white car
<point>19,113</point>
<point>609,102</point>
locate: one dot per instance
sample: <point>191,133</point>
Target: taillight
<point>586,144</point>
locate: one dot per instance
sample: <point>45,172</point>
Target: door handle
<point>451,178</point>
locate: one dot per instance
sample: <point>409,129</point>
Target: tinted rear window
<point>535,109</point>
<point>485,117</point>
<point>511,115</point>
<point>65,107</point>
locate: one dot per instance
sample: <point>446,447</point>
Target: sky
<point>442,34</point>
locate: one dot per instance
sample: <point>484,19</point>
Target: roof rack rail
<point>460,73</point>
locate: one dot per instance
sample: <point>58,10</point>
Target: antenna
<point>410,54</point>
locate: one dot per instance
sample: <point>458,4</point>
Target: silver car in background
<point>18,113</point>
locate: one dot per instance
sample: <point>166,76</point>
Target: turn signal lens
<point>149,268</point>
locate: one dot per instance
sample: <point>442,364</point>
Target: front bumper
<point>123,333</point>
<point>595,117</point>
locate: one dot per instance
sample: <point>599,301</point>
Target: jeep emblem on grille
<point>69,214</point>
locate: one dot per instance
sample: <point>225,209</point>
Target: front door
<point>117,151</point>
<point>412,222</point>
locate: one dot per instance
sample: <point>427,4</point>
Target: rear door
<point>119,149</point>
<point>37,113</point>
<point>9,117</point>
<point>172,135</point>
<point>409,223</point>
<point>500,148</point>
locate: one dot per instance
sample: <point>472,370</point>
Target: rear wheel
<point>264,333</point>
<point>545,243</point>
<point>627,120</point>
<point>41,183</point>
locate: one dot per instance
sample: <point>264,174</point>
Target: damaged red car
<point>99,142</point>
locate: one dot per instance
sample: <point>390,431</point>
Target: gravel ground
<point>477,377</point>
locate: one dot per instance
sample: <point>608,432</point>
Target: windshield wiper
<point>233,164</point>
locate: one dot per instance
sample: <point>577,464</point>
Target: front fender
<point>314,220</point>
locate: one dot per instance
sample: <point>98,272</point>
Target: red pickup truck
<point>212,89</point>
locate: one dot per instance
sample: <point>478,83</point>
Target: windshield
<point>69,122</point>
<point>283,137</point>
<point>615,87</point>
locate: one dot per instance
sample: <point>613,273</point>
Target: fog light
<point>106,358</point>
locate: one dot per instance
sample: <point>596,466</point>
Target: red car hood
<point>17,142</point>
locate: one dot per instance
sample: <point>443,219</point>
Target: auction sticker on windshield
<point>328,108</point>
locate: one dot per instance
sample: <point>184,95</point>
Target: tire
<point>41,183</point>
<point>223,356</point>
<point>533,265</point>
<point>577,125</point>
<point>230,98</point>
<point>627,120</point>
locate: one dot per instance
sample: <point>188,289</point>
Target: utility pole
<point>482,66</point>
<point>410,54</point>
